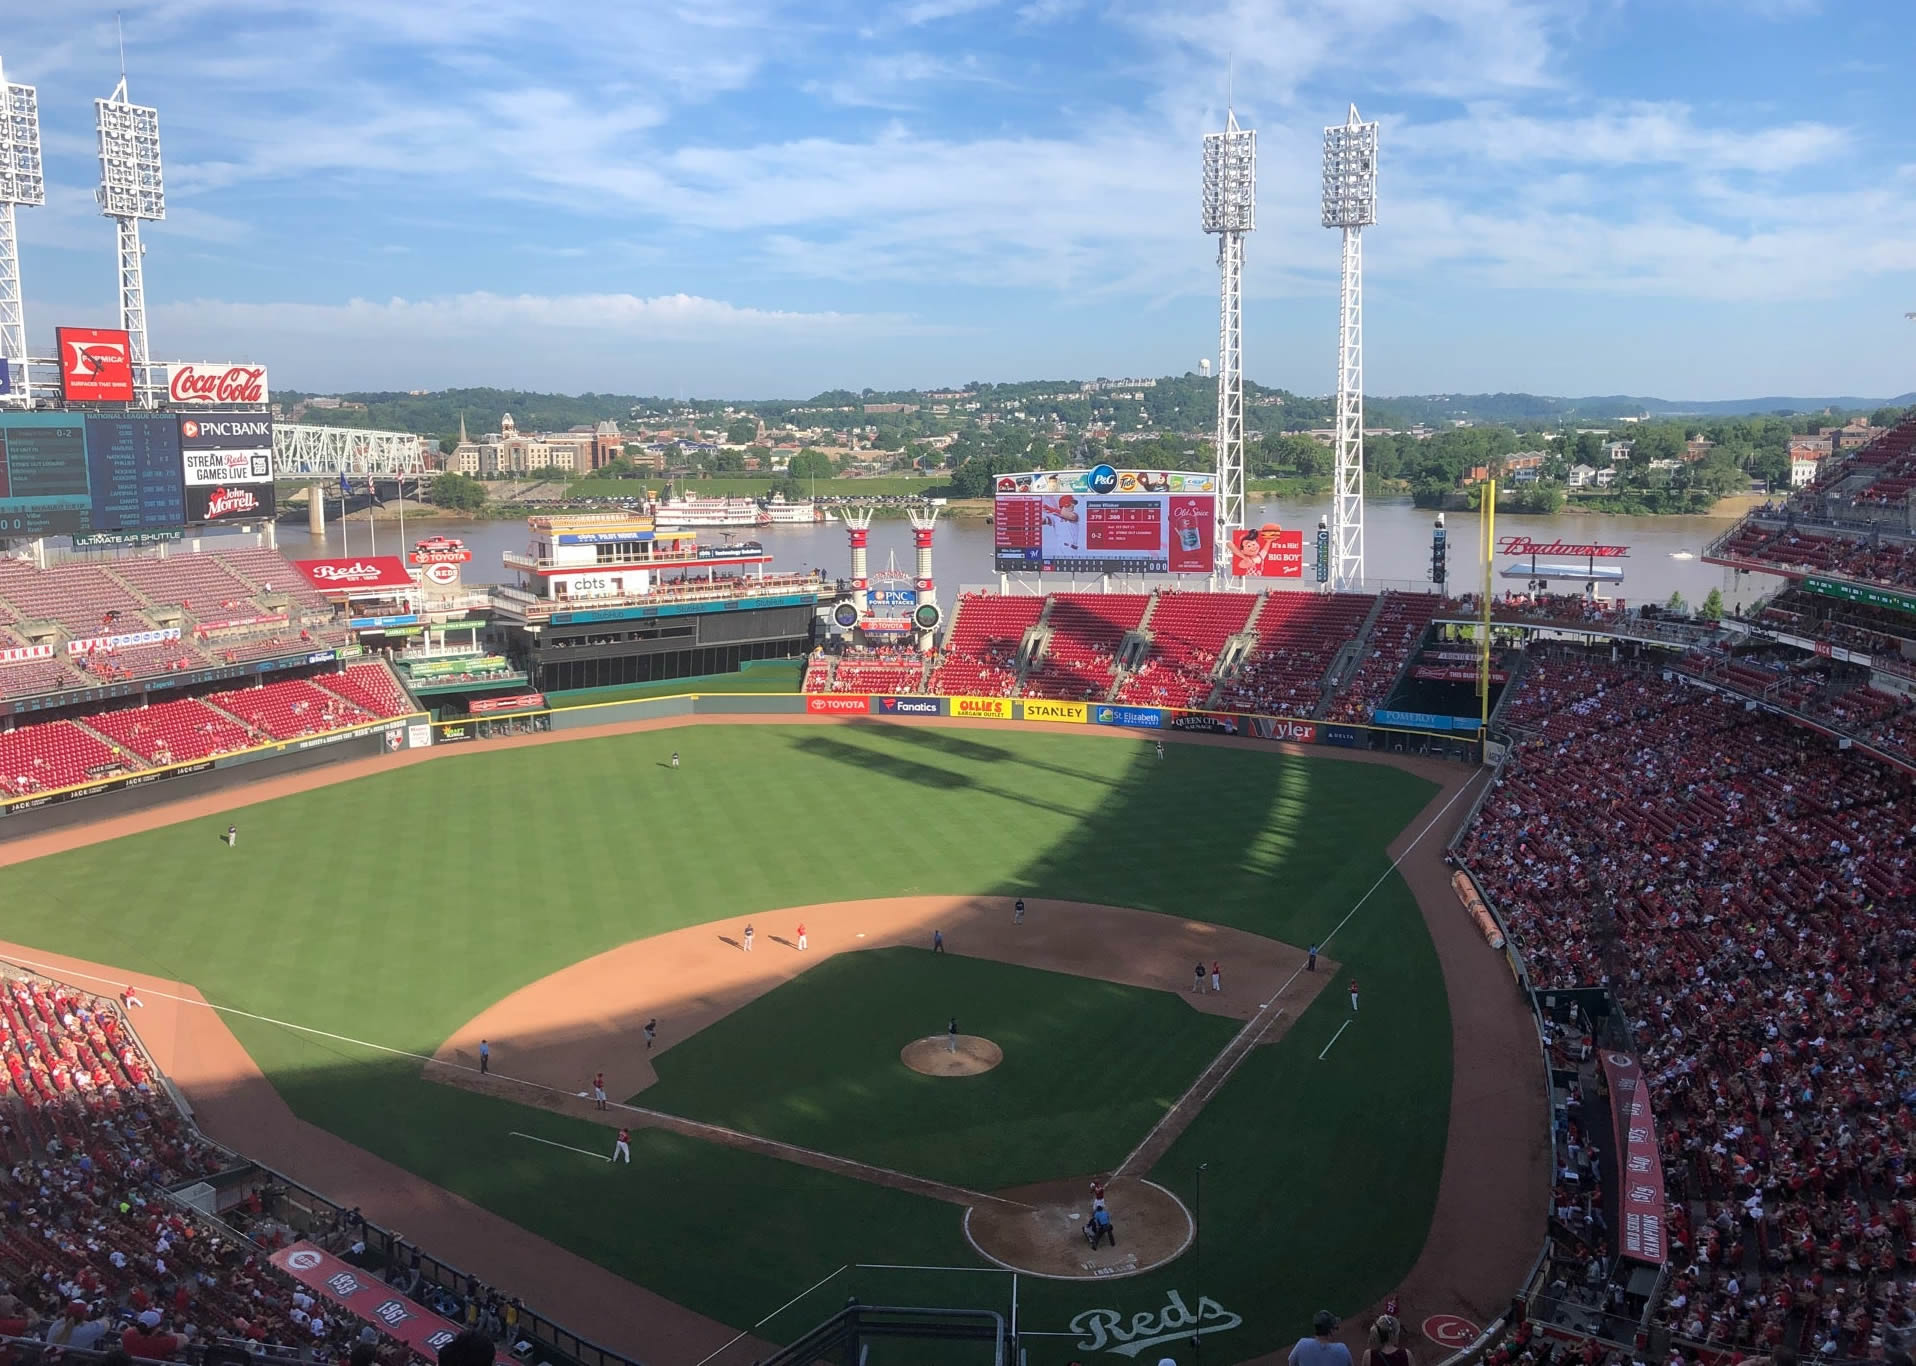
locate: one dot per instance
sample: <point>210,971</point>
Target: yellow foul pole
<point>1489,521</point>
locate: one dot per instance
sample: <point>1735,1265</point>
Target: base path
<point>589,1017</point>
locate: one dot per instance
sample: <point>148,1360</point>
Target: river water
<point>1396,545</point>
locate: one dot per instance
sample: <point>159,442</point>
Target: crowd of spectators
<point>1748,893</point>
<point>95,1254</point>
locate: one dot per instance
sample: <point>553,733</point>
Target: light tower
<point>1350,203</point>
<point>21,183</point>
<point>1230,211</point>
<point>130,190</point>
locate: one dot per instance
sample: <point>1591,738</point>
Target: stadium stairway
<point>1236,650</point>
<point>1349,659</point>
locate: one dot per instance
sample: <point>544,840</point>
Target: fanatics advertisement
<point>1105,521</point>
<point>229,466</point>
<point>96,364</point>
<point>366,1298</point>
<point>908,706</point>
<point>215,382</point>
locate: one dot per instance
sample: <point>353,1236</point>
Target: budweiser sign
<point>216,383</point>
<point>1523,545</point>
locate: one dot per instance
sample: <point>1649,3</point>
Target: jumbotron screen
<point>1105,521</point>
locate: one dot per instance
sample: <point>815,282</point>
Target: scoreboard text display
<point>1105,521</point>
<point>85,473</point>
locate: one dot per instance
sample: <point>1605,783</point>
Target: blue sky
<point>1687,198</point>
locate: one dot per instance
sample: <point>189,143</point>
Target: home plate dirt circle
<point>1040,1229</point>
<point>935,1056</point>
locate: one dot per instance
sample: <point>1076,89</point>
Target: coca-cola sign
<point>214,382</point>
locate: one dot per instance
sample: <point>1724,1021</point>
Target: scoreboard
<point>1105,521</point>
<point>67,473</point>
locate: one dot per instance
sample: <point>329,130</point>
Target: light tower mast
<point>1350,203</point>
<point>21,183</point>
<point>131,189</point>
<point>1230,211</point>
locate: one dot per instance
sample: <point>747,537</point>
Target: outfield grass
<point>392,909</point>
<point>1089,1067</point>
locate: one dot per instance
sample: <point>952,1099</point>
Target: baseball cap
<point>1324,1322</point>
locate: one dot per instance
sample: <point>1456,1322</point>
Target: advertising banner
<point>985,708</point>
<point>902,599</point>
<point>1424,720</point>
<point>1267,552</point>
<point>525,701</point>
<point>1202,722</point>
<point>838,704</point>
<point>215,382</point>
<point>1455,673</point>
<point>228,459</point>
<point>364,574</point>
<point>1283,728</point>
<point>908,706</point>
<point>96,364</point>
<point>1347,736</point>
<point>366,1298</point>
<point>1043,709</point>
<point>6,375</point>
<point>94,644</point>
<point>1640,1170</point>
<point>20,654</point>
<point>1141,718</point>
<point>1105,521</point>
<point>116,540</point>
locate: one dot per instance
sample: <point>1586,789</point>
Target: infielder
<point>598,1089</point>
<point>1353,995</point>
<point>748,938</point>
<point>621,1150</point>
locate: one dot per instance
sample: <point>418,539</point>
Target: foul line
<point>1334,1038</point>
<point>767,1319</point>
<point>1237,1049</point>
<point>550,1144</point>
<point>791,1152</point>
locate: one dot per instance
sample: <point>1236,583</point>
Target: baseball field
<point>363,935</point>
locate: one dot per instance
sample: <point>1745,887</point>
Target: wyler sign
<point>229,466</point>
<point>215,382</point>
<point>96,364</point>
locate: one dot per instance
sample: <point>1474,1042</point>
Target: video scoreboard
<point>1105,521</point>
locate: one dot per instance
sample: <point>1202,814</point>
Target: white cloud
<point>931,11</point>
<point>1637,134</point>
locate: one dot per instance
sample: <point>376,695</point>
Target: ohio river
<point>1396,548</point>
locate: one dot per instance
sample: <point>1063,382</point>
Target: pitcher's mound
<point>935,1058</point>
<point>1042,1233</point>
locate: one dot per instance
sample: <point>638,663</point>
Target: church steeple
<point>462,429</point>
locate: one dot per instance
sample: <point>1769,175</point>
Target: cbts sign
<point>217,382</point>
<point>96,364</point>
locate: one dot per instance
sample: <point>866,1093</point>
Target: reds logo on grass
<point>1109,1330</point>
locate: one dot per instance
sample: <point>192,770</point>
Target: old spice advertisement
<point>216,382</point>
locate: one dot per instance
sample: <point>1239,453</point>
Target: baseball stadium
<point>1153,950</point>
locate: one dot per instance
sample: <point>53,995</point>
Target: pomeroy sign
<point>1523,545</point>
<point>202,382</point>
<point>356,575</point>
<point>96,364</point>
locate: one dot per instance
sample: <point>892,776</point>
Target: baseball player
<point>1018,912</point>
<point>485,1057</point>
<point>1353,995</point>
<point>675,758</point>
<point>803,943</point>
<point>622,1150</point>
<point>1217,978</point>
<point>1160,749</point>
<point>1197,979</point>
<point>951,1035</point>
<point>748,938</point>
<point>1310,963</point>
<point>598,1089</point>
<point>130,998</point>
<point>232,837</point>
<point>651,1032</point>
<point>1097,1193</point>
<point>937,941</point>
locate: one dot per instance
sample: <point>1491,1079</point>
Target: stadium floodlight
<point>131,189</point>
<point>1230,211</point>
<point>1350,204</point>
<point>21,184</point>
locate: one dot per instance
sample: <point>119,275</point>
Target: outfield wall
<point>117,796</point>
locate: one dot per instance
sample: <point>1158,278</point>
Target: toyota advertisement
<point>229,466</point>
<point>1105,521</point>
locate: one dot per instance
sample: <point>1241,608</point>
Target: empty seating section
<point>896,671</point>
<point>1748,892</point>
<point>272,571</point>
<point>818,673</point>
<point>1086,629</point>
<point>1298,636</point>
<point>982,649</point>
<point>370,687</point>
<point>32,677</point>
<point>1188,631</point>
<point>285,711</point>
<point>1401,622</point>
<point>53,755</point>
<point>1893,454</point>
<point>83,598</point>
<point>174,732</point>
<point>198,583</point>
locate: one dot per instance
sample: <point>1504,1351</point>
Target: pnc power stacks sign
<point>229,466</point>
